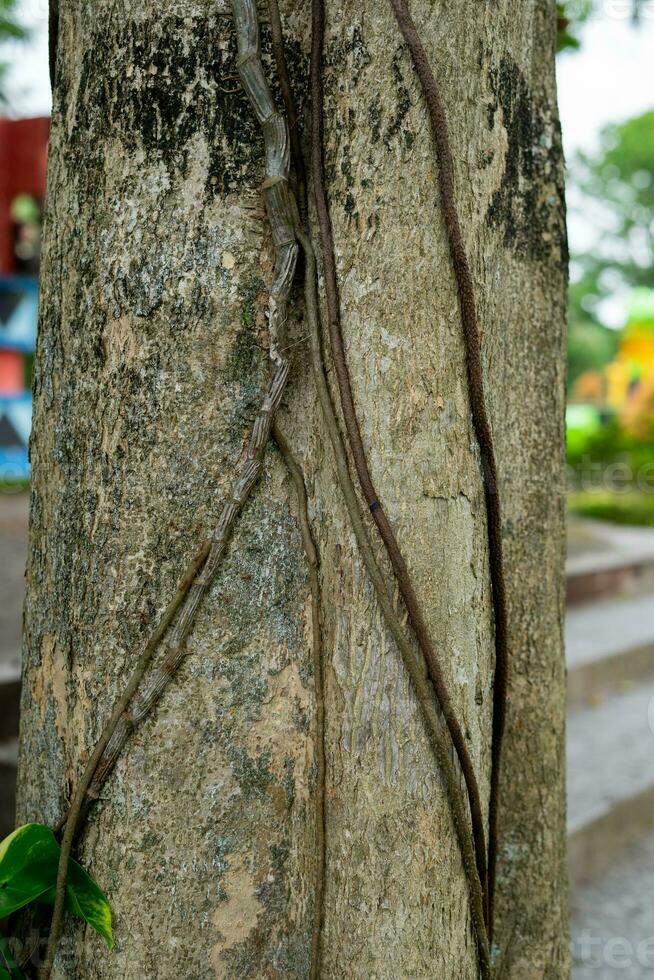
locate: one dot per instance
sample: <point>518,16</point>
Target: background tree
<point>149,372</point>
<point>571,15</point>
<point>11,29</point>
<point>615,186</point>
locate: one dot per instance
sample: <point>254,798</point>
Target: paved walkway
<point>607,628</point>
<point>13,550</point>
<point>593,544</point>
<point>613,921</point>
<point>610,752</point>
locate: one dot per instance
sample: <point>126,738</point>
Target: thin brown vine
<point>279,207</point>
<point>479,411</point>
<point>437,733</point>
<point>279,52</point>
<point>137,674</point>
<point>352,427</point>
<point>319,694</point>
<point>71,821</point>
<point>355,443</point>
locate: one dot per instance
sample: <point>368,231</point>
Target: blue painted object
<point>19,297</point>
<point>19,301</point>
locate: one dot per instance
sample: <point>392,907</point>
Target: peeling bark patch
<point>527,204</point>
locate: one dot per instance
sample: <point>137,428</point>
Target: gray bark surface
<point>150,364</point>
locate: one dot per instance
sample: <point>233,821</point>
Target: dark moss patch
<point>244,370</point>
<point>527,205</point>
<point>395,127</point>
<point>251,773</point>
<point>248,686</point>
<point>180,87</point>
<point>375,120</point>
<point>353,52</point>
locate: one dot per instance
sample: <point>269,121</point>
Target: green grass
<point>621,508</point>
<point>10,487</point>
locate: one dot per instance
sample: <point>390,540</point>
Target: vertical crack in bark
<point>479,411</point>
<point>319,692</point>
<point>398,564</point>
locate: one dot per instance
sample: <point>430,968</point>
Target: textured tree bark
<point>149,369</point>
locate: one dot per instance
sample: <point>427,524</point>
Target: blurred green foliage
<point>616,186</point>
<point>11,29</point>
<point>605,443</point>
<point>613,188</point>
<point>571,14</point>
<point>620,508</point>
<point>590,346</point>
<point>10,26</point>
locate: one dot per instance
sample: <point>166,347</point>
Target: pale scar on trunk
<point>235,918</point>
<point>51,680</point>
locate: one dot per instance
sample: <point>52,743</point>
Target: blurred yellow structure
<point>625,387</point>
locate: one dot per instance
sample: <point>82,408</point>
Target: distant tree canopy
<point>590,347</point>
<point>614,189</point>
<point>11,29</point>
<point>617,188</point>
<point>571,14</point>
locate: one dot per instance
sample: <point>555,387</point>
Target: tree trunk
<point>150,365</point>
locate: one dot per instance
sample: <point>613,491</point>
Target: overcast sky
<point>609,79</point>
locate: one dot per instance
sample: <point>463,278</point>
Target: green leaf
<point>28,866</point>
<point>87,901</point>
<point>29,859</point>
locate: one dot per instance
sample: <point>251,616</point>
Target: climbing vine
<point>480,419</point>
<point>285,194</point>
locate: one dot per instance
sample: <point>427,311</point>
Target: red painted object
<point>23,159</point>
<point>12,372</point>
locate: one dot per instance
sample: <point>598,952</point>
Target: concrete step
<point>609,646</point>
<point>608,560</point>
<point>612,927</point>
<point>610,751</point>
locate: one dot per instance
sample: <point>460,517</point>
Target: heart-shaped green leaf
<point>28,866</point>
<point>28,872</point>
<point>86,900</point>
